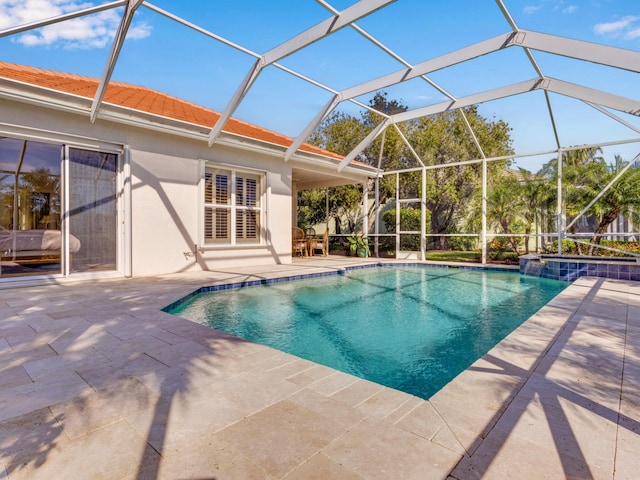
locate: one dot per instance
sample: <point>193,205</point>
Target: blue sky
<point>163,55</point>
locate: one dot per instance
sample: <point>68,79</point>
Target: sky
<point>164,55</point>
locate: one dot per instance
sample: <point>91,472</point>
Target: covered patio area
<point>111,387</point>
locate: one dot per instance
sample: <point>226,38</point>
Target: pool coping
<point>493,420</point>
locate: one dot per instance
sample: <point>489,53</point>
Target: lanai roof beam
<point>502,92</point>
<point>579,92</point>
<point>615,117</point>
<point>580,50</point>
<point>129,10</point>
<point>199,29</point>
<point>616,102</point>
<point>514,27</point>
<point>315,33</point>
<point>573,90</point>
<point>552,119</point>
<point>409,146</point>
<point>420,70</point>
<point>364,143</point>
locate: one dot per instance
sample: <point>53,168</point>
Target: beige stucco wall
<point>165,175</point>
<point>165,206</point>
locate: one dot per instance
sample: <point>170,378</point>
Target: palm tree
<point>622,197</point>
<point>534,194</point>
<point>506,205</point>
<point>579,168</point>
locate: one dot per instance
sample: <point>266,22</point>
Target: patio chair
<point>298,242</point>
<point>320,244</point>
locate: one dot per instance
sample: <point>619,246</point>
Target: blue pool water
<point>409,328</point>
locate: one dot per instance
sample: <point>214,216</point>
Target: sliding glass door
<point>30,216</point>
<point>45,230</point>
<point>93,210</point>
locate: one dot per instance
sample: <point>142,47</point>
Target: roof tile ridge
<point>163,94</point>
<point>232,120</point>
<point>258,127</point>
<point>67,75</point>
<point>43,71</point>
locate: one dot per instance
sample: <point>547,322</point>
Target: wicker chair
<point>320,244</point>
<point>298,242</point>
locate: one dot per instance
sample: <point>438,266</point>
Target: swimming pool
<point>409,328</point>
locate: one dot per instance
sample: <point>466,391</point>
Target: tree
<point>344,204</point>
<point>585,174</point>
<point>622,198</point>
<point>311,207</point>
<point>534,193</point>
<point>443,139</point>
<point>505,205</point>
<point>341,133</point>
<point>438,140</point>
<point>508,206</point>
<point>579,168</point>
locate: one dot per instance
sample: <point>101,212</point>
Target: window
<point>232,207</point>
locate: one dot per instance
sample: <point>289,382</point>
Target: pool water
<point>410,328</point>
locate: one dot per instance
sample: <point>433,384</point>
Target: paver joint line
<point>624,358</point>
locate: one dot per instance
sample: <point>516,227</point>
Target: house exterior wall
<point>165,194</point>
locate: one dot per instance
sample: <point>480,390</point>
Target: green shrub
<point>511,257</point>
<point>499,244</point>
<point>631,247</point>
<point>502,255</point>
<point>409,221</point>
<point>568,247</point>
<point>462,244</point>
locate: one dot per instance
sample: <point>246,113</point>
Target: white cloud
<point>92,31</point>
<point>570,9</point>
<point>620,27</point>
<point>632,34</point>
<point>531,9</point>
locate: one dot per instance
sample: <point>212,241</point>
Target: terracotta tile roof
<point>146,100</point>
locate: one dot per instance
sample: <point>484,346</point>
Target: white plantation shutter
<point>247,214</point>
<point>217,203</point>
<point>222,188</point>
<point>231,205</point>
<point>208,187</point>
<point>239,191</point>
<point>251,199</point>
<point>223,224</point>
<point>251,224</point>
<point>208,224</point>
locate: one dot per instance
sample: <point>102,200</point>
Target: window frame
<point>233,205</point>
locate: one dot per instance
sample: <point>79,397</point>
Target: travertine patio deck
<point>96,382</point>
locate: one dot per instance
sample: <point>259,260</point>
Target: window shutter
<point>240,191</point>
<point>222,189</point>
<point>252,192</point>
<point>208,187</point>
<point>229,194</point>
<point>208,224</point>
